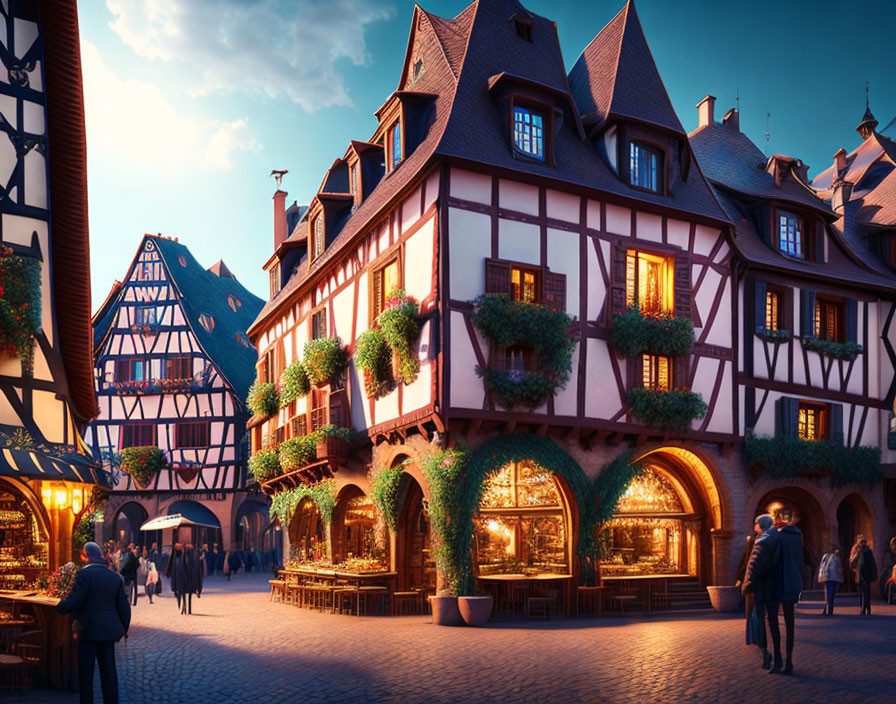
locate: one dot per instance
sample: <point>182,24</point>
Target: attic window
<point>317,245</point>
<point>645,167</point>
<point>207,321</point>
<point>394,146</point>
<point>528,132</point>
<point>523,27</point>
<point>790,234</point>
<point>419,68</point>
<point>182,260</point>
<point>234,302</point>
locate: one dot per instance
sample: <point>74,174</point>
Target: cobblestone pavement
<point>239,647</point>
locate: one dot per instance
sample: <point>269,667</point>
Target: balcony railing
<point>153,386</point>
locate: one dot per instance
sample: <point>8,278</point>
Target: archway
<point>307,534</point>
<point>358,542</point>
<point>199,514</point>
<point>414,562</point>
<point>25,537</point>
<point>251,520</point>
<point>126,525</point>
<point>853,518</point>
<point>809,518</point>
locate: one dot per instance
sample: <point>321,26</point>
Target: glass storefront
<point>24,545</point>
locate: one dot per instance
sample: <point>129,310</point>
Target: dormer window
<point>275,279</point>
<point>790,234</point>
<point>645,167</point>
<point>523,27</point>
<point>317,243</point>
<point>528,132</point>
<point>418,70</point>
<point>395,146</point>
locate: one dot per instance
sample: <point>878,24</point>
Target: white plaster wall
<point>593,214</point>
<point>419,394</point>
<point>650,227</point>
<point>562,206</point>
<point>518,196</point>
<point>601,394</point>
<point>705,239</point>
<point>471,186</point>
<point>566,399</point>
<point>419,262</point>
<point>678,233</point>
<point>410,209</point>
<point>518,242</point>
<point>563,258</point>
<point>343,307</point>
<point>466,388</point>
<point>432,189</point>
<point>722,420</point>
<point>619,220</point>
<point>469,246</point>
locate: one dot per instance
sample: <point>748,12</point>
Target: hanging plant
<point>386,485</point>
<point>373,356</point>
<point>674,409</point>
<point>772,335</point>
<point>263,399</point>
<point>19,304</point>
<point>294,383</point>
<point>323,494</point>
<point>295,453</point>
<point>846,351</point>
<point>400,326</point>
<point>324,359</point>
<point>143,463</point>
<point>265,465</point>
<point>783,457</point>
<point>635,334</point>
<point>506,323</point>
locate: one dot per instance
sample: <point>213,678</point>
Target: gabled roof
<point>616,76</point>
<point>219,268</point>
<point>103,317</point>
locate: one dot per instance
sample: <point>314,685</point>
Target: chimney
<point>731,120</point>
<point>840,160</point>
<point>840,197</point>
<point>280,232</point>
<point>705,110</point>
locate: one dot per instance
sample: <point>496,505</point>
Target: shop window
<point>812,423</point>
<point>317,244</point>
<point>319,324</point>
<point>656,372</point>
<point>645,167</point>
<point>26,545</point>
<point>649,283</point>
<point>179,368</point>
<point>190,435</point>
<point>137,435</point>
<point>359,549</point>
<point>528,132</point>
<point>521,526</point>
<point>383,281</point>
<point>306,534</point>
<point>274,275</point>
<point>829,319</point>
<point>647,534</point>
<point>145,315</point>
<point>790,234</point>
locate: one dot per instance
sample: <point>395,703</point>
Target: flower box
<point>332,448</point>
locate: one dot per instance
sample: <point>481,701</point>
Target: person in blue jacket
<point>103,615</point>
<point>759,581</point>
<point>787,583</point>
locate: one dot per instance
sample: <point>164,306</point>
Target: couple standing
<point>774,579</point>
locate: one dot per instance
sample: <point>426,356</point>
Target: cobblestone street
<point>238,647</point>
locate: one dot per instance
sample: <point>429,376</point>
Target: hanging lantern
<point>77,501</point>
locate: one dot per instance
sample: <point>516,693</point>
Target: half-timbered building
<point>571,272</point>
<point>173,366</point>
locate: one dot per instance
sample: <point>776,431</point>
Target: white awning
<point>175,520</point>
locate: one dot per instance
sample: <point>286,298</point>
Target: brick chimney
<point>280,232</point>
<point>705,110</point>
<point>731,120</point>
<point>840,160</point>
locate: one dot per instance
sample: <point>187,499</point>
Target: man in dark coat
<point>102,611</point>
<point>787,583</point>
<point>129,563</point>
<point>210,560</point>
<point>193,569</point>
<point>219,559</point>
<point>176,572</point>
<point>866,571</point>
<point>758,581</point>
<point>234,562</point>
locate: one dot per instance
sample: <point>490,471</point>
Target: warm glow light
<point>77,501</point>
<point>61,498</point>
<point>494,526</point>
<point>46,495</point>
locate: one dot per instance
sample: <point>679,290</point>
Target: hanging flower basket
<point>143,463</point>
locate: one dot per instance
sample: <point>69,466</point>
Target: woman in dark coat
<point>176,571</point>
<point>193,579</point>
<point>866,571</point>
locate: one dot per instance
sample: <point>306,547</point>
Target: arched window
<point>521,525</point>
<point>306,534</point>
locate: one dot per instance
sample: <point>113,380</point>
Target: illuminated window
<point>772,309</point>
<point>812,421</point>
<point>528,132</point>
<point>649,283</point>
<point>656,372</point>
<point>524,285</point>
<point>828,319</point>
<point>521,524</point>
<point>385,280</point>
<point>644,166</point>
<point>317,246</point>
<point>790,234</point>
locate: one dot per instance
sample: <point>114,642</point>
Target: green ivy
<point>373,356</point>
<point>400,323</point>
<point>265,465</point>
<point>783,456</point>
<point>297,452</point>
<point>294,383</point>
<point>323,494</point>
<point>324,359</point>
<point>846,351</point>
<point>263,399</point>
<point>504,322</point>
<point>674,409</point>
<point>83,533</point>
<point>20,304</point>
<point>386,485</point>
<point>143,463</point>
<point>635,334</point>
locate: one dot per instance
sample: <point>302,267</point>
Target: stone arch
<point>129,516</point>
<point>37,509</point>
<point>853,516</point>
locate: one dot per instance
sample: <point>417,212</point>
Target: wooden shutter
<point>554,294</point>
<point>497,276</point>
<point>634,372</point>
<point>617,281</point>
<point>852,319</point>
<point>760,289</point>
<point>807,312</point>
<point>836,420</point>
<point>817,253</point>
<point>680,368</point>
<point>682,286</point>
<point>788,414</point>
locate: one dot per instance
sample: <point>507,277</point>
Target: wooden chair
<point>346,595</point>
<point>591,598</point>
<point>278,589</point>
<point>25,652</point>
<point>379,593</point>
<point>407,602</point>
<point>540,607</point>
<point>629,596</point>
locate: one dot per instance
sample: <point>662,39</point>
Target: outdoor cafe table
<point>504,581</point>
<point>648,584</point>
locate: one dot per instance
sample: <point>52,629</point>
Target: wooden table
<point>649,584</point>
<point>505,580</point>
<point>59,668</point>
<point>357,580</point>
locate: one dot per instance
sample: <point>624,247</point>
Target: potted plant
<point>445,610</point>
<point>475,610</point>
<point>143,463</point>
<point>725,599</point>
<point>332,444</point>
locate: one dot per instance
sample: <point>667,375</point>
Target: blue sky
<point>191,103</point>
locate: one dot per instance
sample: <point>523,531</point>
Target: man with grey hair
<point>758,582</point>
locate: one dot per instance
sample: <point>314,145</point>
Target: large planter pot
<point>445,611</point>
<point>726,599</point>
<point>475,610</point>
<point>333,449</point>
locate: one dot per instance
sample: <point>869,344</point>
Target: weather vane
<point>278,175</point>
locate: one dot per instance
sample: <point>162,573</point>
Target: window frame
<point>823,420</point>
<point>314,320</point>
<point>183,359</point>
<point>131,427</point>
<point>659,154</point>
<point>524,269</point>
<point>140,309</point>
<point>651,365</point>
<point>547,130</point>
<point>317,236</point>
<point>801,222</point>
<point>192,427</point>
<point>391,131</point>
<point>667,298</point>
<point>394,256</point>
<point>781,313</point>
<point>274,279</point>
<point>838,305</point>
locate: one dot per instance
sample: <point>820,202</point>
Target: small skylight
<point>182,260</point>
<point>234,302</point>
<point>207,321</point>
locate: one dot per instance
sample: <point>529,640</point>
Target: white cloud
<point>132,120</point>
<point>256,46</point>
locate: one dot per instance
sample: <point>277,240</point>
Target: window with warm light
<point>524,284</point>
<point>649,283</point>
<point>829,319</point>
<point>812,421</point>
<point>521,525</point>
<point>528,132</point>
<point>385,280</point>
<point>774,309</point>
<point>656,373</point>
<point>317,244</point>
<point>644,167</point>
<point>790,234</point>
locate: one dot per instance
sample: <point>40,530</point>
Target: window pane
<point>789,234</point>
<point>390,278</point>
<point>771,310</point>
<point>642,167</point>
<point>396,144</point>
<point>528,132</point>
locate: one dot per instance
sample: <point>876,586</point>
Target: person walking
<point>233,562</point>
<point>152,579</point>
<point>787,584</point>
<point>210,560</point>
<point>220,558</point>
<point>193,585</point>
<point>886,569</point>
<point>853,576</point>
<point>129,564</point>
<point>830,574</point>
<point>758,583</point>
<point>866,572</point>
<point>175,571</point>
<point>103,615</point>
